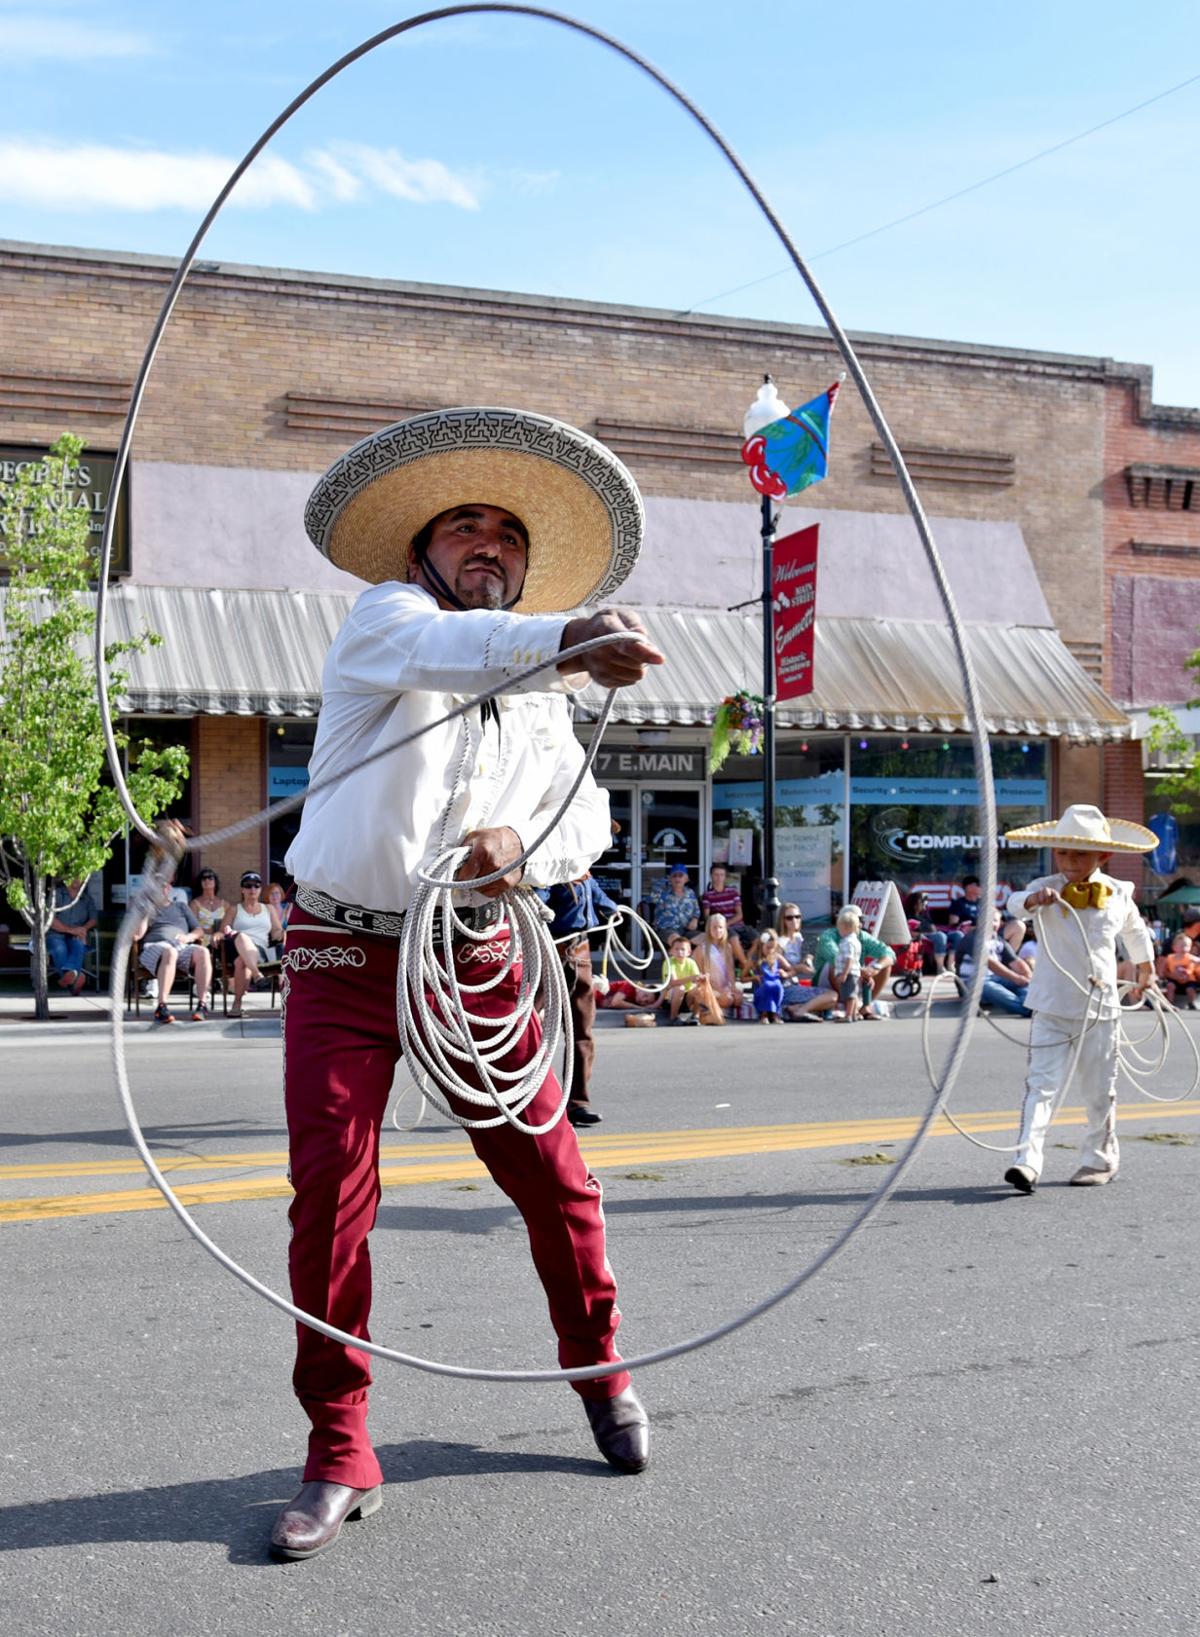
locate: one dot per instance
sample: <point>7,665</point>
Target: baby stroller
<point>910,959</point>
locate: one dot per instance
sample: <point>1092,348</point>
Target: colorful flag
<point>789,454</point>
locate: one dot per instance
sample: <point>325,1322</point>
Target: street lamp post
<point>768,406</point>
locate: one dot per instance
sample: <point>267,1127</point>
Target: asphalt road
<point>981,1418</point>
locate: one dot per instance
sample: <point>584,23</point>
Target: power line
<point>948,198</point>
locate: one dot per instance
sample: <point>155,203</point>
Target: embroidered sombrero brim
<point>580,505</point>
<point>1124,837</point>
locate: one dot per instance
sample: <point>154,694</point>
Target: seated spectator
<point>933,939</point>
<point>207,905</point>
<point>720,959</point>
<point>722,899</point>
<point>963,916</point>
<point>75,914</point>
<point>1020,938</point>
<point>798,988</point>
<point>1182,971</point>
<point>878,960</point>
<point>250,928</point>
<point>676,908</point>
<point>769,969</point>
<point>1008,976</point>
<point>174,942</point>
<point>278,900</point>
<point>685,982</point>
<point>619,995</point>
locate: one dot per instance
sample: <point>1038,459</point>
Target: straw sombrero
<point>581,507</point>
<point>1085,829</point>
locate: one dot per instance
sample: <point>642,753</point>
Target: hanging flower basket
<point>737,728</point>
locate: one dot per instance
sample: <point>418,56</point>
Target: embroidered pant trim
<point>341,1050</point>
<point>1051,1044</point>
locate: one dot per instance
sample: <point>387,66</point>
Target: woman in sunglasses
<point>250,927</point>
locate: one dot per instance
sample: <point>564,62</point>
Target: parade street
<point>979,1419</point>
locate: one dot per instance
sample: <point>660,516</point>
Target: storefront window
<point>913,813</point>
<point>913,818</point>
<point>289,750</point>
<point>808,825</point>
<point>159,733</point>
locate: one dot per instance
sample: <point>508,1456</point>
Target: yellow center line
<point>447,1162</point>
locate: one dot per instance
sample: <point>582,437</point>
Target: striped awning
<point>260,653</point>
<point>880,674</point>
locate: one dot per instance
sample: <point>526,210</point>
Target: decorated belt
<point>383,923</point>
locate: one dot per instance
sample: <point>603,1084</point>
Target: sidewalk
<point>87,1017</point>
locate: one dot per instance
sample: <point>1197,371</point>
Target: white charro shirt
<point>397,663</point>
<point>1058,932</point>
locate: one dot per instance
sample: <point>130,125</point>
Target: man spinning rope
<point>477,527</point>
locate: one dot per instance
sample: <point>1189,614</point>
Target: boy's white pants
<point>1051,1046</point>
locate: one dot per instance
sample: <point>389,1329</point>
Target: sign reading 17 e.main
<point>89,483</point>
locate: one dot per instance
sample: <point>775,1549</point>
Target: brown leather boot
<point>313,1519</point>
<point>621,1429</point>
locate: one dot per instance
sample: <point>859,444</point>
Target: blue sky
<point>509,154</point>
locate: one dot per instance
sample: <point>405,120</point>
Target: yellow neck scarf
<point>1086,894</point>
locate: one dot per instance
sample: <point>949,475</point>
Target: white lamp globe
<point>768,406</point>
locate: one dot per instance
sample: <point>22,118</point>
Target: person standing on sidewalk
<point>459,517</point>
<point>577,907</point>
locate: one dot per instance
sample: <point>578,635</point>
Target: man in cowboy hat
<point>1083,994</point>
<point>479,527</point>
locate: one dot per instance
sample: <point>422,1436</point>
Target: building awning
<point>225,653</point>
<point>260,653</point>
<point>881,674</point>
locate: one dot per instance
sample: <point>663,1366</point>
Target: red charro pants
<point>341,1050</point>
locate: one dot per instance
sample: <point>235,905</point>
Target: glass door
<point>670,831</point>
<point>616,869</point>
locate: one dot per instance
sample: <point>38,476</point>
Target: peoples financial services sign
<point>88,488</point>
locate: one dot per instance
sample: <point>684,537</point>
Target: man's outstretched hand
<point>490,851</point>
<point>618,664</point>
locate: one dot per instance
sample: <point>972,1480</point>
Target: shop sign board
<point>88,487</point>
<point>656,764</point>
<point>794,607</point>
<point>882,911</point>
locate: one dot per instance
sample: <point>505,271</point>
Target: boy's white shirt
<point>1049,990</point>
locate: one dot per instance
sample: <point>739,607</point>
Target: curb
<point>58,1030</point>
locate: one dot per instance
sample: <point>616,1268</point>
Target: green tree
<point>1182,784</point>
<point>58,817</point>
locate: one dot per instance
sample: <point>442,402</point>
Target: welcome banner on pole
<point>794,605</point>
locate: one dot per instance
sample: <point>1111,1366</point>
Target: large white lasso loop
<point>973,716</point>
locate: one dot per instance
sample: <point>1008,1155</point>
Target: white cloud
<point>32,38</point>
<point>89,176</point>
<point>342,183</point>
<point>421,181</point>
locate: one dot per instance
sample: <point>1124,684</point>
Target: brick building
<point>265,376</point>
<point>1152,590</point>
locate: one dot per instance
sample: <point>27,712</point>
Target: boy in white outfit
<point>1083,841</point>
